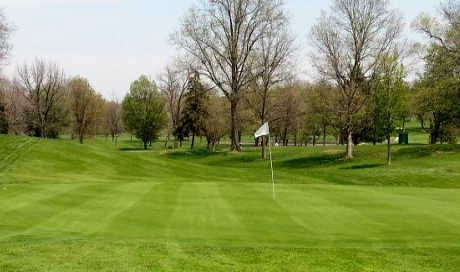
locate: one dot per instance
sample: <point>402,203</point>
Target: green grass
<point>100,207</point>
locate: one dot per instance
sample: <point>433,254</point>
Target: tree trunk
<point>433,138</point>
<point>434,135</point>
<point>324,136</point>
<point>314,140</point>
<point>263,143</point>
<point>145,145</point>
<point>42,129</point>
<point>80,138</point>
<point>389,150</point>
<point>240,135</point>
<point>349,145</point>
<point>235,146</point>
<point>193,141</point>
<point>167,141</point>
<point>285,137</point>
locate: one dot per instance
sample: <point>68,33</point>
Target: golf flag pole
<point>265,131</point>
<point>271,164</point>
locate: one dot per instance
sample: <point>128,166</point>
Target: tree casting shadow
<point>363,166</point>
<point>314,161</point>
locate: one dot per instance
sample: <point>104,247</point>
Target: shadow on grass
<point>239,160</point>
<point>314,161</point>
<point>197,154</point>
<point>363,166</point>
<point>133,149</point>
<point>420,151</point>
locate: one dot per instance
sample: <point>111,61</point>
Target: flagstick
<point>271,164</point>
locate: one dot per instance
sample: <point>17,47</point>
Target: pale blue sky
<point>112,42</point>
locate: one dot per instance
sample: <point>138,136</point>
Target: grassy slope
<point>93,207</point>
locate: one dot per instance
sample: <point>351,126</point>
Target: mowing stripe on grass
<point>267,222</point>
<point>37,212</point>
<point>14,153</point>
<point>148,217</point>
<point>370,216</point>
<point>78,220</point>
<point>17,196</point>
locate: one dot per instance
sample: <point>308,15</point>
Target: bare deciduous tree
<point>445,33</point>
<point>288,110</point>
<point>5,32</point>
<point>83,106</point>
<point>274,51</point>
<point>215,125</point>
<point>320,100</point>
<point>4,124</point>
<point>15,106</point>
<point>114,119</point>
<point>174,84</point>
<point>349,42</point>
<point>221,37</point>
<point>42,85</point>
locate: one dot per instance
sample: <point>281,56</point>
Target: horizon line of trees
<point>42,102</point>
<point>236,71</point>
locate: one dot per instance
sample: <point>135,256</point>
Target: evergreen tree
<point>195,110</point>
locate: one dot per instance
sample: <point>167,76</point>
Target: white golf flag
<point>263,131</point>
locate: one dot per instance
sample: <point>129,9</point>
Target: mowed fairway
<point>94,207</point>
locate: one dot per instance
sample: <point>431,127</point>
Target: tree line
<point>236,70</point>
<point>42,102</point>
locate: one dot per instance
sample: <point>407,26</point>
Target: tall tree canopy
<point>144,110</point>
<point>223,39</point>
<point>441,80</point>
<point>349,42</point>
<point>43,86</point>
<point>174,85</point>
<point>390,96</point>
<point>84,106</point>
<point>437,95</point>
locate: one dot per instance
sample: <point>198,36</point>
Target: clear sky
<point>113,42</point>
